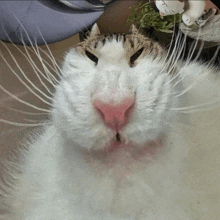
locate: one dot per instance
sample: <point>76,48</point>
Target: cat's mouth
<point>119,146</point>
<point>119,143</point>
<point>118,137</point>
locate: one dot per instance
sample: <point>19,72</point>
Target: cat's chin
<point>118,144</point>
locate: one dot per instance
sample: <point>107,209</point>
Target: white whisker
<point>22,101</point>
<point>21,124</point>
<point>170,46</point>
<point>172,56</point>
<point>175,63</point>
<point>215,55</point>
<point>50,76</point>
<point>19,78</point>
<point>36,70</point>
<point>31,120</point>
<point>192,49</point>
<point>55,69</point>
<point>25,112</point>
<point>32,43</point>
<point>200,50</point>
<point>51,55</point>
<point>54,63</point>
<point>195,107</point>
<point>32,63</point>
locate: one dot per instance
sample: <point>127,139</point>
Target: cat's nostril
<point>114,116</point>
<point>100,114</point>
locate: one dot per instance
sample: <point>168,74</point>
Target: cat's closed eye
<point>92,57</point>
<point>136,55</point>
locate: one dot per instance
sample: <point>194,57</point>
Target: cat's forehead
<point>130,43</point>
<point>131,40</point>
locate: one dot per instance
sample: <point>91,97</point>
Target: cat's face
<point>114,87</point>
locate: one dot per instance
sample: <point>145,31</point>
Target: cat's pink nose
<point>114,116</point>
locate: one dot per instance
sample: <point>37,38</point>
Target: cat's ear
<point>95,30</point>
<point>133,29</point>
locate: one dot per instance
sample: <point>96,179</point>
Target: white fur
<point>59,182</point>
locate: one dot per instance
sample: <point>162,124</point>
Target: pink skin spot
<point>162,14</point>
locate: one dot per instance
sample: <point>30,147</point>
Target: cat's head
<point>114,87</point>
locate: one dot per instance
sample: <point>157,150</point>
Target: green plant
<point>145,16</point>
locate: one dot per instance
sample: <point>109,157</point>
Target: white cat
<point>117,145</point>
